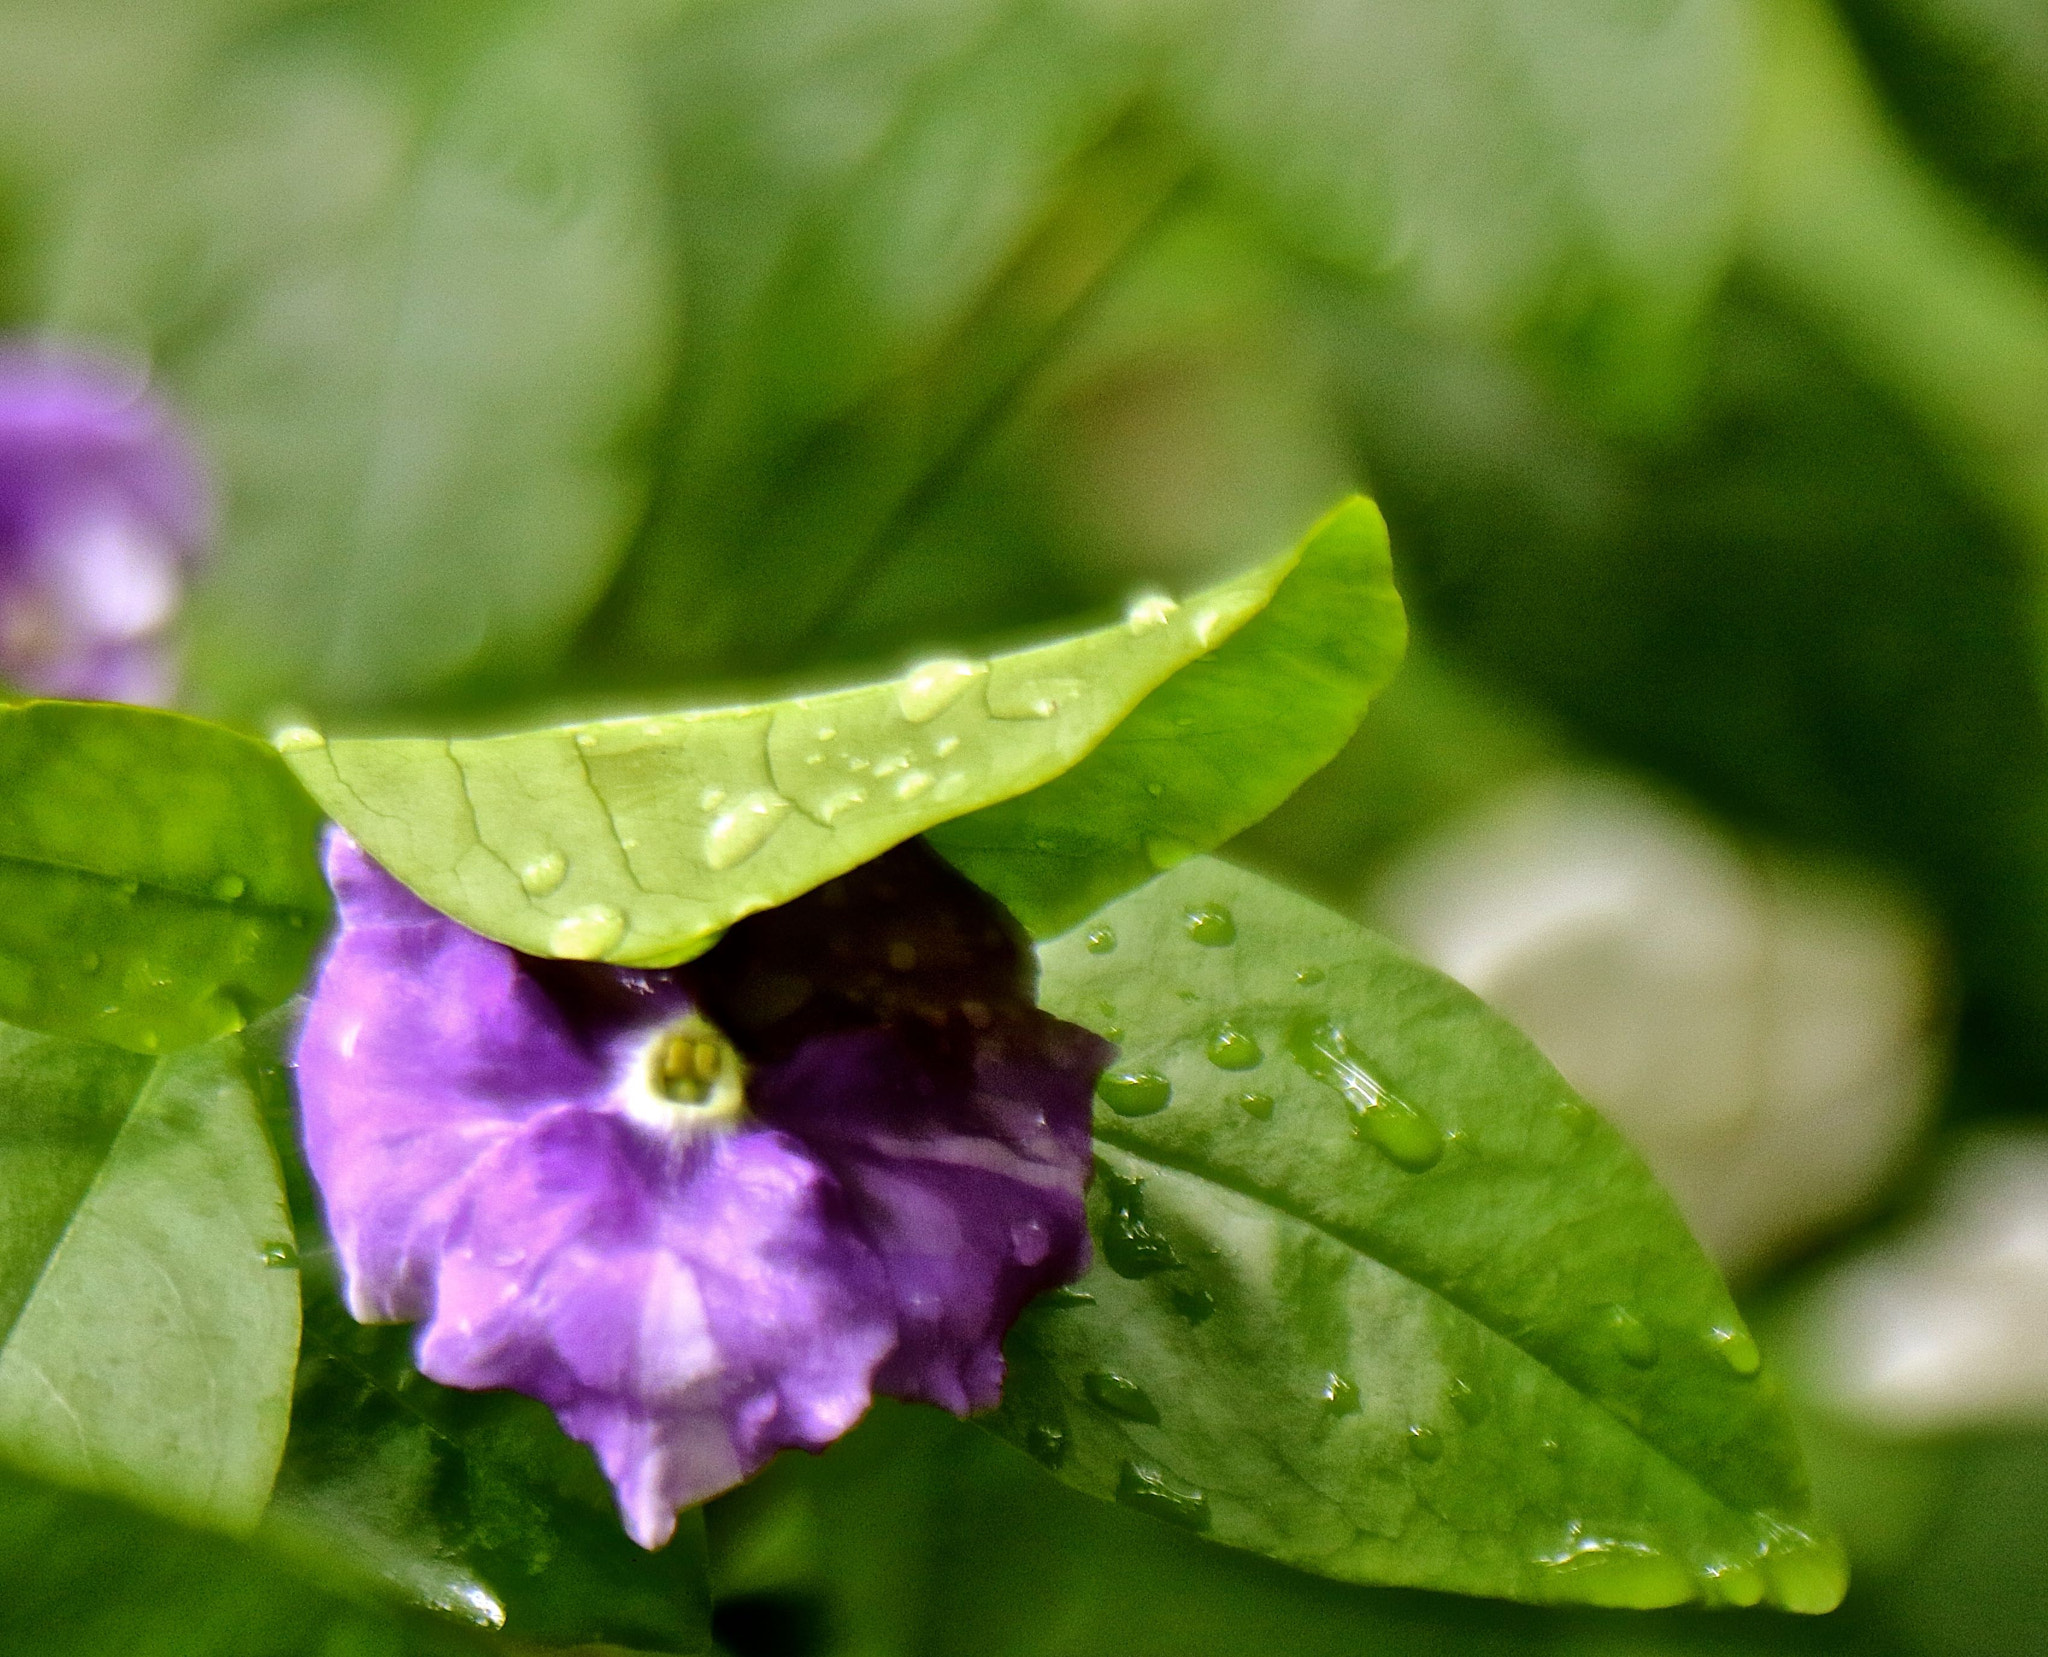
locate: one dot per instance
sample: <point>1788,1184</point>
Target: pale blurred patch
<point>1762,1031</point>
<point>1945,1326</point>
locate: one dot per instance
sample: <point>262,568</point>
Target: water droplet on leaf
<point>1212,925</point>
<point>1309,975</point>
<point>928,689</point>
<point>543,874</point>
<point>1164,852</point>
<point>1339,1395</point>
<point>1469,1404</point>
<point>1630,1336</point>
<point>588,933</point>
<point>914,784</point>
<point>1197,1305</point>
<point>1231,1049</point>
<point>1130,1245</point>
<point>1101,940</point>
<point>1738,1350</point>
<point>89,962</point>
<point>1149,610</point>
<point>1154,1491</point>
<point>1066,1297</point>
<point>735,835</point>
<point>1257,1105</point>
<point>280,1255</point>
<point>1047,1444</point>
<point>1424,1443</point>
<point>1134,1092</point>
<point>227,888</point>
<point>1118,1395</point>
<point>297,739</point>
<point>1408,1138</point>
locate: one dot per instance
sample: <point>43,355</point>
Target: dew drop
<point>90,961</point>
<point>1030,1242</point>
<point>1805,1575</point>
<point>1149,610</point>
<point>541,875</point>
<point>1130,1245</point>
<point>586,739</point>
<point>1066,1297</point>
<point>928,689</point>
<point>1309,975</point>
<point>711,799</point>
<point>587,934</point>
<point>1164,852</point>
<point>280,1255</point>
<point>1619,1575</point>
<point>296,739</point>
<point>827,732</point>
<point>837,805</point>
<point>1630,1336</point>
<point>944,746</point>
<point>1197,1305</point>
<point>1471,1405</point>
<point>913,784</point>
<point>1339,1394</point>
<point>1407,1137</point>
<point>129,888</point>
<point>1134,1092</point>
<point>228,887</point>
<point>1101,940</point>
<point>1256,1105</point>
<point>735,835</point>
<point>1155,789</point>
<point>1738,1350</point>
<point>952,785</point>
<point>1575,1114</point>
<point>1120,1396</point>
<point>1737,1582</point>
<point>1047,1444</point>
<point>1231,1049</point>
<point>1212,925</point>
<point>1424,1443</point>
<point>1157,1493</point>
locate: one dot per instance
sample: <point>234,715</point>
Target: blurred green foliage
<point>559,356</point>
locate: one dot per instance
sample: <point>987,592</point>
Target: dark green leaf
<point>640,840</point>
<point>472,1504</point>
<point>82,1576</point>
<point>1408,1311</point>
<point>148,1315</point>
<point>1212,750</point>
<point>158,885</point>
<point>408,267</point>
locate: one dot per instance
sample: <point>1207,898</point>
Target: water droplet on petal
<point>1149,610</point>
<point>296,739</point>
<point>1118,1395</point>
<point>1339,1395</point>
<point>1630,1336</point>
<point>1030,1242</point>
<point>1231,1049</point>
<point>587,934</point>
<point>1212,925</point>
<point>1424,1443</point>
<point>1153,1491</point>
<point>928,689</point>
<point>1101,940</point>
<point>1258,1105</point>
<point>543,874</point>
<point>1407,1137</point>
<point>735,835</point>
<point>1738,1350</point>
<point>1134,1092</point>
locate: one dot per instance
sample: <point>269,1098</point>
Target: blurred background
<point>565,355</point>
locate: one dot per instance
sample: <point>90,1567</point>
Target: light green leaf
<point>408,268</point>
<point>639,840</point>
<point>1379,1296</point>
<point>158,884</point>
<point>82,1576</point>
<point>149,1315</point>
<point>1209,752</point>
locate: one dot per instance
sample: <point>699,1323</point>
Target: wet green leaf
<point>639,840</point>
<point>408,269</point>
<point>148,1318</point>
<point>158,885</point>
<point>1209,752</point>
<point>1408,1311</point>
<point>472,1504</point>
<point>83,1576</point>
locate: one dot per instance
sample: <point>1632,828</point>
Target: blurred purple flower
<point>704,1213</point>
<point>103,509</point>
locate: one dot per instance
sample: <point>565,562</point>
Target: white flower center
<point>687,1079</point>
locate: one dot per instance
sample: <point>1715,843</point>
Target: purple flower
<point>103,509</point>
<point>704,1213</point>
